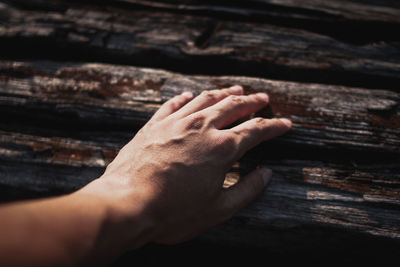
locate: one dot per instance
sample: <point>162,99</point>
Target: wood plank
<point>362,199</point>
<point>196,44</point>
<point>325,117</point>
<point>29,180</point>
<point>386,10</point>
<point>336,175</point>
<point>370,10</point>
<point>355,22</point>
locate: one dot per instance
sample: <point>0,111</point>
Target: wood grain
<point>324,116</point>
<point>386,10</point>
<point>319,188</point>
<point>196,44</point>
<point>336,183</point>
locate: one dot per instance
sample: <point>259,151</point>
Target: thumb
<point>246,190</point>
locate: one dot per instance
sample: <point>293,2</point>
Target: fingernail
<point>264,96</point>
<point>237,89</point>
<point>287,122</point>
<point>187,94</point>
<point>266,175</point>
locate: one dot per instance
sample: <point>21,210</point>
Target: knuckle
<point>178,98</point>
<point>196,122</point>
<point>225,93</point>
<point>236,99</point>
<point>210,95</point>
<point>169,103</point>
<point>174,105</point>
<point>260,122</point>
<point>176,102</point>
<point>238,133</point>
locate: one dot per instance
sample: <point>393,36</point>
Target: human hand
<point>171,173</point>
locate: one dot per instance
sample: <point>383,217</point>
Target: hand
<point>172,172</point>
<point>164,186</point>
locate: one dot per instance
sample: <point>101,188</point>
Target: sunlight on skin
<point>165,186</point>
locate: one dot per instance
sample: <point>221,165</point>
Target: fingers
<point>208,98</point>
<point>244,192</point>
<point>172,105</point>
<point>230,202</point>
<point>254,131</point>
<point>235,107</point>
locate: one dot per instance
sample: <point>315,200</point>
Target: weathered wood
<point>314,192</point>
<point>304,193</point>
<point>196,44</point>
<point>324,116</point>
<point>354,22</point>
<point>336,10</point>
<point>336,183</point>
<point>386,10</point>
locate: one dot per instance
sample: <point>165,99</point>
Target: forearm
<point>164,186</point>
<point>76,229</point>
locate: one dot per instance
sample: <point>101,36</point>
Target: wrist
<point>126,222</point>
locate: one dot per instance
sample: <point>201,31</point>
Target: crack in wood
<point>205,38</point>
<point>144,38</point>
<point>336,183</point>
<point>356,30</point>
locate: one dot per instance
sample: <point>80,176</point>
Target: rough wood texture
<point>190,43</point>
<point>336,10</point>
<point>325,116</point>
<point>92,109</point>
<point>336,186</point>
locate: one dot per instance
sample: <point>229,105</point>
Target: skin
<point>164,186</point>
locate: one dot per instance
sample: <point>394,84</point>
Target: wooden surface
<point>197,44</point>
<point>73,90</point>
<point>334,10</point>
